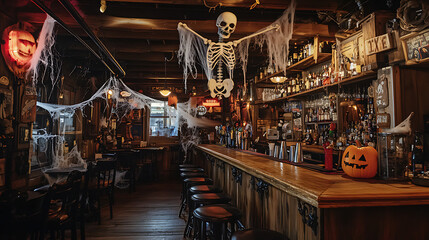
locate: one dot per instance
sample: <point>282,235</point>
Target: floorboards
<point>149,213</point>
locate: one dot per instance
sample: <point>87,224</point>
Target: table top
<point>322,190</point>
<point>64,170</point>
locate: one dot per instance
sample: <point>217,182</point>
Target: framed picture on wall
<point>24,135</point>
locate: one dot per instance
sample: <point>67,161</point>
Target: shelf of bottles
<point>340,119</point>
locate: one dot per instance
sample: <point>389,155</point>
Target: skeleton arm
<point>269,28</point>
<point>206,41</point>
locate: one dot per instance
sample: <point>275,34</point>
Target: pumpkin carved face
<point>360,162</point>
<point>18,49</point>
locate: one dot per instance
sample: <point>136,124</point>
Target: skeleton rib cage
<point>221,52</point>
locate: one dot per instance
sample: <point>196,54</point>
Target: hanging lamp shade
<point>165,92</point>
<point>278,79</point>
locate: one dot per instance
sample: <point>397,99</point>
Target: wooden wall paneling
<point>375,25</point>
<point>376,223</point>
<point>246,199</point>
<point>414,86</point>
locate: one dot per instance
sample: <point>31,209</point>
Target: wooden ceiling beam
<point>200,26</point>
<point>327,5</point>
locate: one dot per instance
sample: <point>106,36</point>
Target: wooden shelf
<point>354,79</point>
<point>321,122</point>
<point>358,78</point>
<point>309,62</point>
<point>299,66</point>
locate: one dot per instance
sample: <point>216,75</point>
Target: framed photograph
<point>24,136</point>
<point>416,47</point>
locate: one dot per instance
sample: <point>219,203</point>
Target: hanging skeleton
<point>211,54</point>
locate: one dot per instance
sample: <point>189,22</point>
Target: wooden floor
<point>149,213</point>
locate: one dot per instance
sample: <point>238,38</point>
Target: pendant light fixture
<point>278,79</point>
<point>164,91</point>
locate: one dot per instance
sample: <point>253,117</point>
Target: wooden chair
<point>128,162</point>
<point>64,204</point>
<point>102,182</point>
<point>22,215</point>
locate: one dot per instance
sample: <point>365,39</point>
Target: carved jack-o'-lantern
<point>360,162</point>
<point>18,49</point>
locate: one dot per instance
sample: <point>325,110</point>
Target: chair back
<point>23,213</point>
<point>105,174</point>
<point>67,193</point>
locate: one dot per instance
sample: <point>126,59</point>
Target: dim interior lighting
<point>165,92</point>
<point>278,79</point>
<point>125,94</point>
<point>103,6</point>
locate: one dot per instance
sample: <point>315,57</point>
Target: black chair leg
<point>111,204</point>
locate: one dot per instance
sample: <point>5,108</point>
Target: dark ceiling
<point>141,34</point>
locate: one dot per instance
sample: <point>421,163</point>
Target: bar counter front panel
<point>306,204</point>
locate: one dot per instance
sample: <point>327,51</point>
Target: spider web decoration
<point>123,105</point>
<point>195,49</point>
<point>44,61</point>
<point>43,58</point>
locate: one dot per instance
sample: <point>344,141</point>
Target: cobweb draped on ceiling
<point>114,90</point>
<point>193,49</point>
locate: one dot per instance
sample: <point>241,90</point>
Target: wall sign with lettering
<point>381,92</point>
<point>378,44</point>
<point>383,120</point>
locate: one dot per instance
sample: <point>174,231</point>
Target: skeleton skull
<point>226,23</point>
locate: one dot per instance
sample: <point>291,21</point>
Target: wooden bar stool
<point>256,234</point>
<point>218,216</point>
<point>190,182</point>
<point>202,199</point>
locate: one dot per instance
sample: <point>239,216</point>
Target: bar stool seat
<point>204,189</point>
<point>191,170</point>
<point>217,213</point>
<point>257,234</point>
<point>218,217</point>
<point>185,175</point>
<point>210,198</point>
<point>202,199</point>
<point>197,181</point>
<point>188,183</point>
<point>188,166</point>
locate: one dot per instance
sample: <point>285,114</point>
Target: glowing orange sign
<point>212,102</point>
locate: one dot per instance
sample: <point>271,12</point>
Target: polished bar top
<point>318,189</point>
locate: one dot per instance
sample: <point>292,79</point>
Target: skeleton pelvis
<point>220,88</point>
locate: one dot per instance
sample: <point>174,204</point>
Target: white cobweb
<point>193,50</point>
<point>118,96</point>
<point>43,58</point>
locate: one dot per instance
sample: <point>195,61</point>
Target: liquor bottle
<point>417,161</point>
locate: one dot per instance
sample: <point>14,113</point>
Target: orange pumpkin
<point>360,162</point>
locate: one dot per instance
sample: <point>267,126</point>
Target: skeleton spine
<point>219,65</point>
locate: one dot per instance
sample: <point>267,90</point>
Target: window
<point>163,120</point>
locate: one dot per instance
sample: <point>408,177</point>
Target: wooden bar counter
<point>306,204</point>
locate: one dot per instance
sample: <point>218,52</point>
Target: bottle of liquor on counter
<point>417,160</point>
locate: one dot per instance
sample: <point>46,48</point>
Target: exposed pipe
<point>48,11</point>
<point>75,14</point>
